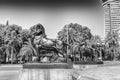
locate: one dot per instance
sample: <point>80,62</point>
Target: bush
<point>88,62</point>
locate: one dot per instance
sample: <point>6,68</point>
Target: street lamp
<point>100,46</point>
<point>67,41</point>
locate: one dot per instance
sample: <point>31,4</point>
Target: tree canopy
<point>81,41</point>
<point>76,33</point>
<point>112,44</point>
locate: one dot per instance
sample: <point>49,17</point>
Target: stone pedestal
<point>46,71</point>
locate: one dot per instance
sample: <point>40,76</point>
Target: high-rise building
<point>7,23</point>
<point>111,15</point>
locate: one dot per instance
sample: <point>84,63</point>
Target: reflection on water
<point>45,74</point>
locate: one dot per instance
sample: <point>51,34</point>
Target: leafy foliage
<point>12,40</point>
<point>15,41</point>
<point>79,37</point>
<point>112,44</point>
<point>76,33</point>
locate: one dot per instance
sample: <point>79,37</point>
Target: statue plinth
<point>47,66</point>
<point>46,71</point>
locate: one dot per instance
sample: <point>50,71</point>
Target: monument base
<point>47,66</point>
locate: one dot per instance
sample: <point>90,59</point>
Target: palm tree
<point>12,41</point>
<point>112,42</point>
<point>77,35</point>
<point>97,45</point>
<point>27,48</point>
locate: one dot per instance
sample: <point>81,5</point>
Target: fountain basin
<point>47,66</point>
<point>46,74</point>
<point>46,71</point>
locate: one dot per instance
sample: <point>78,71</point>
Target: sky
<point>53,15</point>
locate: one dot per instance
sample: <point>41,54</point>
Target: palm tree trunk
<point>114,54</point>
<point>79,56</point>
<point>12,55</point>
<point>74,57</point>
<point>111,56</point>
<point>82,56</point>
<point>34,50</point>
<point>100,53</point>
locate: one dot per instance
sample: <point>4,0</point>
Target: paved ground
<point>103,73</point>
<point>109,71</point>
<point>9,72</point>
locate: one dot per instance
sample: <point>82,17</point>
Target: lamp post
<point>100,46</point>
<point>67,41</point>
<point>114,51</point>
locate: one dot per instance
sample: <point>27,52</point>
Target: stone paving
<point>9,75</point>
<point>102,73</point>
<point>9,72</point>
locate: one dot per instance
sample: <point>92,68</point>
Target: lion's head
<point>38,30</point>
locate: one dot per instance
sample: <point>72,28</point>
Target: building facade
<point>111,15</point>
